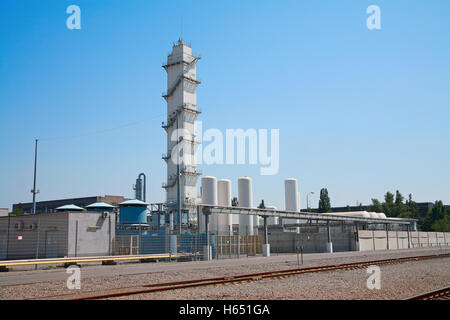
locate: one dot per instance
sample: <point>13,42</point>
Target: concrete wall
<point>95,234</point>
<point>312,238</point>
<point>377,240</point>
<point>57,235</point>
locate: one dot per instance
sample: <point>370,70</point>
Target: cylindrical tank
<point>69,207</point>
<point>245,199</point>
<point>291,198</point>
<point>133,212</point>
<point>362,214</point>
<point>373,215</point>
<point>272,220</point>
<point>209,196</point>
<point>224,199</point>
<point>100,207</point>
<point>382,215</point>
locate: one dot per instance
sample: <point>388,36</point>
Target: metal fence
<point>56,235</point>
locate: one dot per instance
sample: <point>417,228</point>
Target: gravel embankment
<point>398,281</point>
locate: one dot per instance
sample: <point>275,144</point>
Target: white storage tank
<point>362,214</point>
<point>382,215</point>
<point>291,198</point>
<point>245,199</point>
<point>209,196</point>
<point>374,215</point>
<point>272,220</point>
<point>224,199</point>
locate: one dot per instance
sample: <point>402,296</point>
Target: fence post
<point>229,249</point>
<point>37,244</point>
<point>109,236</point>
<point>76,238</point>
<point>246,242</point>
<point>238,245</point>
<point>7,236</point>
<point>140,239</point>
<point>131,245</point>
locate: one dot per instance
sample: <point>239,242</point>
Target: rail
<point>439,294</point>
<point>157,287</point>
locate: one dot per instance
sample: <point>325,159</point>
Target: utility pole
<point>34,191</point>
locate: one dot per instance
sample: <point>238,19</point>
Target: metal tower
<point>182,112</point>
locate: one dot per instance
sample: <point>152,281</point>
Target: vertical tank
<point>133,212</point>
<point>224,199</point>
<point>140,191</point>
<point>272,220</point>
<point>209,196</point>
<point>291,198</point>
<point>245,199</point>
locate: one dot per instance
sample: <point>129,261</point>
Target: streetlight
<point>307,200</point>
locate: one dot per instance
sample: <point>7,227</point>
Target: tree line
<point>396,206</point>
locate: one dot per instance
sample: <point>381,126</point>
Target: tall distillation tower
<point>182,112</point>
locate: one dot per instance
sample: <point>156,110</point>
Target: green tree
<point>441,225</point>
<point>324,201</point>
<point>399,207</point>
<point>16,212</point>
<point>388,205</point>
<point>376,206</point>
<point>262,205</point>
<point>436,218</point>
<point>411,210</point>
<point>234,202</point>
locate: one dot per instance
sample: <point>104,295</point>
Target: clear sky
<point>360,111</point>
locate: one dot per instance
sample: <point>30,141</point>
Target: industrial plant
<point>196,222</point>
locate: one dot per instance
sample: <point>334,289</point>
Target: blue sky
<point>360,112</point>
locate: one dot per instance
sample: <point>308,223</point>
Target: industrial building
<point>56,235</point>
<point>51,205</point>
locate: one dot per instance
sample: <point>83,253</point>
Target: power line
<point>102,131</point>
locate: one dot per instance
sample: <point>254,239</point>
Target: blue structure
<point>133,212</point>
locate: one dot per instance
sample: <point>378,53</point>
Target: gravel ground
<point>398,281</point>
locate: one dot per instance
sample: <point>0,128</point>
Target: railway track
<point>235,279</point>
<point>440,294</point>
